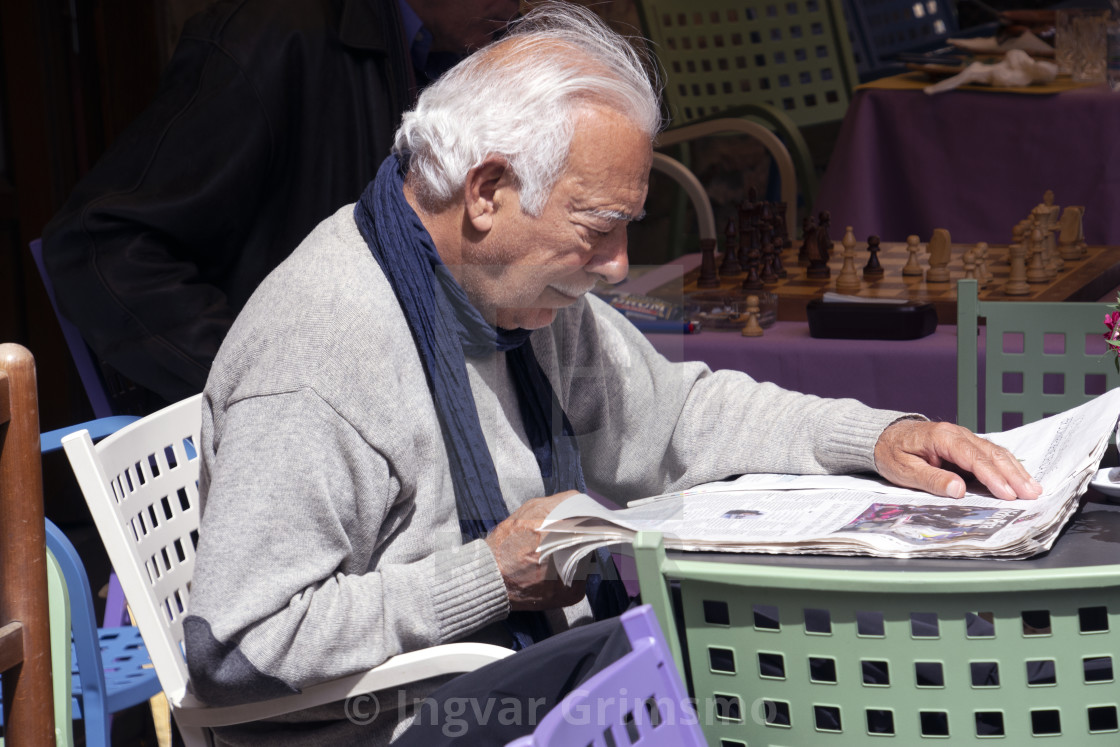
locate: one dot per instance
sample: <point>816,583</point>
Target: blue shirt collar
<point>419,39</point>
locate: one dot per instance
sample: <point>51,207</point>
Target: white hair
<point>518,98</point>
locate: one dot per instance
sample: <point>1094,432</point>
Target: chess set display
<point>1046,259</point>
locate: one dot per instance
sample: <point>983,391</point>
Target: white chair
<point>787,177</point>
<point>141,485</point>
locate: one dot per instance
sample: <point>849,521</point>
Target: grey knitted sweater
<point>330,538</point>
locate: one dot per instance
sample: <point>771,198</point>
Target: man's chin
<point>526,318</point>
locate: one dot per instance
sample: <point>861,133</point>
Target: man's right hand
<point>530,584</point>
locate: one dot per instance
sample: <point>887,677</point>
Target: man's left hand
<point>910,453</point>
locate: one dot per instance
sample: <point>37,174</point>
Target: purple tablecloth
<point>909,375</point>
<point>974,163</point>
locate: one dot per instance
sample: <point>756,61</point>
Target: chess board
<point>1085,279</point>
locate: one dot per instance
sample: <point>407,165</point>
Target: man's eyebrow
<point>614,215</point>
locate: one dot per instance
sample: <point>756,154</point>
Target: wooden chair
<point>25,650</point>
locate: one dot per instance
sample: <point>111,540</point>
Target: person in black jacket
<point>270,115</point>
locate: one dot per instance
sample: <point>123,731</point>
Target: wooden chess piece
<point>970,264</point>
<point>808,241</point>
<point>769,277</point>
<point>983,274</point>
<point>1048,214</point>
<point>1016,284</point>
<point>940,248</point>
<point>1071,244</point>
<point>779,267</point>
<point>824,236</point>
<point>873,270</point>
<point>730,264</point>
<point>818,267</point>
<point>783,229</point>
<point>709,276</point>
<point>752,327</point>
<point>848,280</point>
<point>753,262</point>
<point>748,229</point>
<point>912,268</point>
<point>1045,221</point>
<point>1037,272</point>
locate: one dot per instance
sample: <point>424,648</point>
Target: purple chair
<point>88,370</point>
<point>93,383</point>
<point>638,700</point>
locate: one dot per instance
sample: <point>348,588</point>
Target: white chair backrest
<point>141,485</point>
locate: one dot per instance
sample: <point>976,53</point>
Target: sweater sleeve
<point>304,570</point>
<point>134,264</point>
<point>648,425</point>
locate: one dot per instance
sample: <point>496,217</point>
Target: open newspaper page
<point>854,514</point>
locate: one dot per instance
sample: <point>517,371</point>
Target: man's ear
<point>481,193</point>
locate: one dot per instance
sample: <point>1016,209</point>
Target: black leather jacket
<point>271,115</point>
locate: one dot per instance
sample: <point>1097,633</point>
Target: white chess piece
<point>848,279</point>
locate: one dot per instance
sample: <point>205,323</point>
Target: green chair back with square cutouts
<point>793,55</point>
<point>1039,359</point>
<point>780,654</point>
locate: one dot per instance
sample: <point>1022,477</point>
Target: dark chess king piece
<point>873,270</point>
<point>824,235</point>
<point>779,268</point>
<point>769,277</point>
<point>730,264</point>
<point>753,281</point>
<point>782,228</point>
<point>709,276</point>
<point>818,263</point>
<point>808,240</point>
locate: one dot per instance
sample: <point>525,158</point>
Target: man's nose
<point>611,262</point>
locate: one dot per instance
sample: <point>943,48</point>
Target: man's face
<point>524,268</point>
<point>462,26</point>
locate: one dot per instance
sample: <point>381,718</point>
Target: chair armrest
<point>98,429</point>
<point>693,188</point>
<point>412,666</point>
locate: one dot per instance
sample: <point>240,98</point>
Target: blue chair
<point>110,668</point>
<point>884,32</point>
<point>638,700</point>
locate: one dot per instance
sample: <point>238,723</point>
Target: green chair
<point>785,63</point>
<point>847,652</point>
<point>1039,359</point>
<point>59,601</point>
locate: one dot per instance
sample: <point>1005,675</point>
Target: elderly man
<point>410,393</point>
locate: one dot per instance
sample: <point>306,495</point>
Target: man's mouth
<point>574,292</point>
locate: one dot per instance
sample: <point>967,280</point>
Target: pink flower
<point>1112,321</point>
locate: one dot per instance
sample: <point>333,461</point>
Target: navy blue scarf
<point>446,328</point>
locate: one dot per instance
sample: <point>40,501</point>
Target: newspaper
<point>856,514</point>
